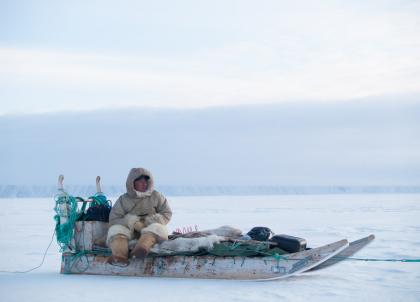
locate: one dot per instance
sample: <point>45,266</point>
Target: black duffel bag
<point>98,213</point>
<point>99,209</point>
<point>260,233</point>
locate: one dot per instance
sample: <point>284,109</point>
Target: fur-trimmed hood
<point>148,207</point>
<point>135,173</point>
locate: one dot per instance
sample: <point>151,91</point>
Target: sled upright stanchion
<point>63,204</point>
<point>60,186</point>
<point>98,185</point>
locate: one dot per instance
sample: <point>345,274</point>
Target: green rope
<point>278,257</point>
<point>65,207</point>
<point>379,260</point>
<point>99,199</point>
<point>240,248</point>
<point>95,252</point>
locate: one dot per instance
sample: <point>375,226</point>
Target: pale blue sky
<point>79,55</point>
<point>243,92</point>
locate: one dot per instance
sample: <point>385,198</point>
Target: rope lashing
<point>278,257</point>
<point>379,260</point>
<point>65,218</point>
<point>99,199</point>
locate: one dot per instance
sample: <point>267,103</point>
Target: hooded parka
<point>150,208</point>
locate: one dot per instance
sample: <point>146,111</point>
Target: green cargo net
<point>244,249</point>
<point>67,214</point>
<point>230,249</point>
<point>65,218</point>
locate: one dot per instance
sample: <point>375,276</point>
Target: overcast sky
<point>61,55</point>
<point>211,92</point>
<point>351,143</point>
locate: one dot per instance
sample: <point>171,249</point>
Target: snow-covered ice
<point>26,226</point>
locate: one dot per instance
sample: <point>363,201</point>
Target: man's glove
<point>133,222</point>
<point>138,226</point>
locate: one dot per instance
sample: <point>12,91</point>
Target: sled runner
<point>349,251</point>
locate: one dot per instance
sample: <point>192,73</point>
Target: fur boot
<point>144,244</point>
<point>119,248</point>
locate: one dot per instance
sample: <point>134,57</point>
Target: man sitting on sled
<point>142,213</point>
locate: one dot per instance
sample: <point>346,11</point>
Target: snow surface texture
<point>26,226</point>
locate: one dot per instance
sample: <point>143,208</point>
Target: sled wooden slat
<point>87,233</point>
<point>208,267</point>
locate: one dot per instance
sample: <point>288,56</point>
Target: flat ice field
<point>26,227</point>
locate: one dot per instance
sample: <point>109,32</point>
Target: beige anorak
<point>150,207</point>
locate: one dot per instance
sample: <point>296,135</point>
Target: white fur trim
<point>155,218</point>
<point>130,220</point>
<point>158,229</point>
<point>226,231</point>
<point>183,245</point>
<point>143,194</point>
<point>117,229</point>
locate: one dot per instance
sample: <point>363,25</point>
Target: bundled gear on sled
<point>98,210</point>
<point>68,213</point>
<point>260,233</point>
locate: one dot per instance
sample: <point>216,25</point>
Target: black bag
<point>98,210</point>
<point>260,233</point>
<point>98,213</point>
<point>289,243</point>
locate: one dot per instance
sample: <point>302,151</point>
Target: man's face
<point>140,185</point>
